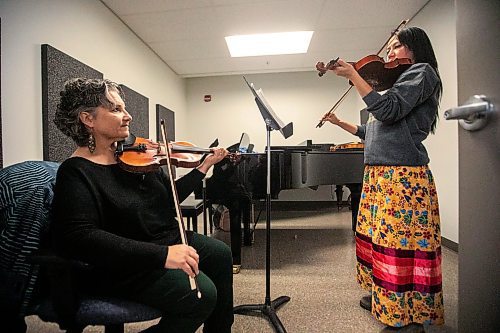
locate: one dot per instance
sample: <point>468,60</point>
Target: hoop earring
<point>91,144</point>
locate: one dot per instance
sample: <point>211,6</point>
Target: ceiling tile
<point>189,34</point>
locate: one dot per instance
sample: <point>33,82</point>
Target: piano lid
<point>307,146</point>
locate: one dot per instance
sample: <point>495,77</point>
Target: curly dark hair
<point>82,95</point>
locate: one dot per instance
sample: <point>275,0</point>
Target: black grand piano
<point>303,166</point>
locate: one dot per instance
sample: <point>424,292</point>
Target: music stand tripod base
<point>267,310</point>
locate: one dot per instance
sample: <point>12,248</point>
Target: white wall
<point>303,98</point>
<point>89,32</point>
<point>439,20</point>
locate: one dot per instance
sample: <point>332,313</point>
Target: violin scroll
<point>322,69</point>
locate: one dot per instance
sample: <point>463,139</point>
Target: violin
<point>349,146</point>
<point>380,75</point>
<point>143,155</point>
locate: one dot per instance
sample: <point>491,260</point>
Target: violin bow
<point>334,107</point>
<point>393,33</point>
<point>192,280</point>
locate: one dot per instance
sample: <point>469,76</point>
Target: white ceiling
<point>188,35</point>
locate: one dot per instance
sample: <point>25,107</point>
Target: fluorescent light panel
<point>269,44</point>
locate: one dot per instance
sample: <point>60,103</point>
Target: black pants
<point>169,291</point>
<point>239,212</point>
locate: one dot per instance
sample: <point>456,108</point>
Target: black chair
<point>200,193</point>
<point>33,281</point>
<point>191,208</point>
<point>209,201</point>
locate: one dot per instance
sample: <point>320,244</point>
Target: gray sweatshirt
<point>400,120</point>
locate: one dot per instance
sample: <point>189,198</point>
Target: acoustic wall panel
<point>169,117</point>
<point>57,68</point>
<point>138,107</point>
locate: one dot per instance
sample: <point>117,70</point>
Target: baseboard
<point>449,244</point>
<point>277,205</point>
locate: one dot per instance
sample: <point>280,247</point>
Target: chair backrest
<point>26,192</point>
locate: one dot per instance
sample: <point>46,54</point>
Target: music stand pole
<point>268,309</point>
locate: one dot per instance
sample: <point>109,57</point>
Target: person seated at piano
<point>124,224</point>
<point>224,186</point>
<point>398,220</point>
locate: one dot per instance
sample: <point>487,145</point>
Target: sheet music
<point>268,110</point>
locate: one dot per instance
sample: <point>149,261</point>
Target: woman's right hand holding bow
<point>183,257</point>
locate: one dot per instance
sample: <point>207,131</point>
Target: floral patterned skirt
<point>398,245</point>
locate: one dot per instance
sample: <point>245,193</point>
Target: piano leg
<point>355,197</point>
<point>247,215</point>
<point>339,192</point>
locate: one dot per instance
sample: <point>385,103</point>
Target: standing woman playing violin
<point>398,240</point>
<point>124,225</point>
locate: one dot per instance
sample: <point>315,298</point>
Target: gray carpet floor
<point>312,262</point>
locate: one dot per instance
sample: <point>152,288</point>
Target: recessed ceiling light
<point>269,44</point>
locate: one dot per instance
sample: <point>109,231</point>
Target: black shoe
<point>366,303</point>
<point>247,239</point>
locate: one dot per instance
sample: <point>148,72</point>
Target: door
<point>478,41</point>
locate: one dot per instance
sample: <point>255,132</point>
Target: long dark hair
<point>419,43</point>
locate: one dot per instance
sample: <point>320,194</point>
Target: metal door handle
<point>473,115</point>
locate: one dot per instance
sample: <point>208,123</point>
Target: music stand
<point>268,309</point>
